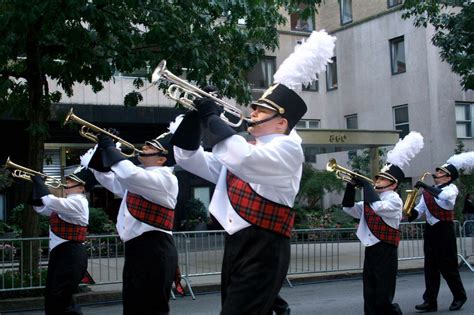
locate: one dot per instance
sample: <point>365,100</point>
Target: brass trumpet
<point>412,194</point>
<point>86,128</point>
<point>184,93</point>
<point>344,173</point>
<point>26,174</point>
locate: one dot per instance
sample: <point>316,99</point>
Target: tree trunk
<point>37,114</point>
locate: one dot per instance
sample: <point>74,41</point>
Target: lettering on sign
<point>337,138</point>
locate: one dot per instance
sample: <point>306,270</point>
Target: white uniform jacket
<point>156,184</point>
<point>72,209</point>
<point>446,200</point>
<point>389,208</point>
<point>272,167</point>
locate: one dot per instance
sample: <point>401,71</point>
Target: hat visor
<point>387,176</point>
<point>443,169</point>
<point>77,179</point>
<point>157,146</point>
<point>262,104</point>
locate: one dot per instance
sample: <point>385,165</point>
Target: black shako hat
<point>449,169</point>
<point>83,176</point>
<point>162,144</point>
<point>392,173</point>
<point>285,102</point>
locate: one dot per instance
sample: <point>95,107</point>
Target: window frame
<point>341,8</point>
<point>310,21</point>
<point>389,6</point>
<point>392,42</point>
<point>330,87</point>
<point>347,117</point>
<point>313,86</point>
<point>407,123</point>
<point>307,123</point>
<point>466,122</point>
<point>268,78</point>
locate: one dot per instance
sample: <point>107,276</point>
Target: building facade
<point>385,75</point>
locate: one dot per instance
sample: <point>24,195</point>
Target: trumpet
<point>26,174</point>
<point>412,194</point>
<point>344,173</point>
<point>185,93</point>
<point>86,128</point>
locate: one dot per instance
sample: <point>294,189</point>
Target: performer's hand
<point>211,89</point>
<point>420,184</point>
<point>39,189</point>
<point>206,107</point>
<point>105,142</point>
<point>349,196</point>
<point>413,215</point>
<point>358,181</point>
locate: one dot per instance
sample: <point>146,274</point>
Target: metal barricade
<point>200,255</point>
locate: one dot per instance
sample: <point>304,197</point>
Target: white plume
<point>463,160</point>
<point>405,149</point>
<point>86,157</point>
<point>308,59</point>
<point>175,124</point>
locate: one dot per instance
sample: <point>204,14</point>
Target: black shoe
<point>427,307</point>
<point>456,305</point>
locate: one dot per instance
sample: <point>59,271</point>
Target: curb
<point>100,297</point>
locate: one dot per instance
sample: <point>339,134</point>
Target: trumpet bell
<point>25,173</point>
<point>343,173</point>
<point>190,92</point>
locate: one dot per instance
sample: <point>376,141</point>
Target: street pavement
<point>323,297</point>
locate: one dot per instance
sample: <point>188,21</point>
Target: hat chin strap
<point>149,154</point>
<point>73,186</point>
<point>256,123</point>
<point>383,187</point>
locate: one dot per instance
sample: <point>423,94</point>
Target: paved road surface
<point>329,298</point>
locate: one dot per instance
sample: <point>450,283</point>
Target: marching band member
<point>145,219</point>
<point>437,203</point>
<point>256,186</point>
<point>380,214</point>
<point>68,219</point>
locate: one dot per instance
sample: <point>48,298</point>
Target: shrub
<point>99,222</point>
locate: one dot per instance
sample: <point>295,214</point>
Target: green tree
<point>454,32</point>
<point>314,184</point>
<point>82,41</point>
<point>360,163</point>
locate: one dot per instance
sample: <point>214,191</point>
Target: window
<point>400,114</point>
<point>3,209</point>
<point>202,193</point>
<point>351,122</point>
<point>346,11</point>
<point>463,120</point>
<point>313,86</point>
<point>331,75</point>
<point>262,73</point>
<point>393,3</point>
<point>308,124</point>
<point>299,24</point>
<point>397,55</point>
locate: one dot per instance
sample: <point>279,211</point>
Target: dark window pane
<point>401,115</point>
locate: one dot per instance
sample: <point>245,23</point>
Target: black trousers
<point>150,266</point>
<point>66,267</point>
<point>253,270</point>
<point>441,259</point>
<point>379,277</point>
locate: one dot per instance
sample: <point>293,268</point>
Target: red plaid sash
<point>149,212</point>
<point>379,228</point>
<point>66,230</point>
<point>438,212</point>
<point>257,210</point>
